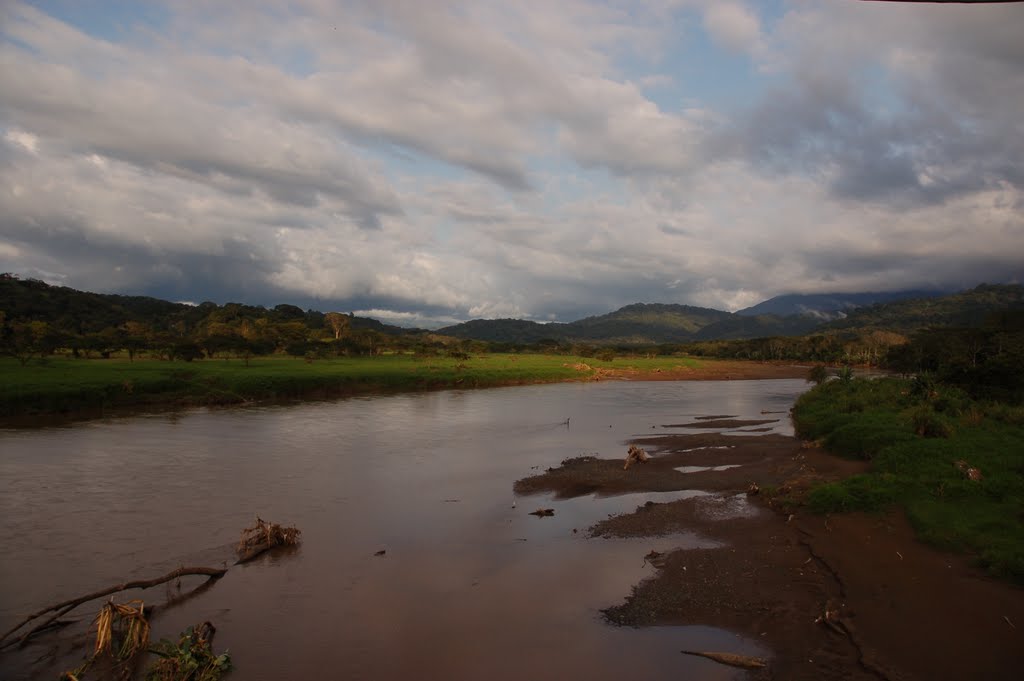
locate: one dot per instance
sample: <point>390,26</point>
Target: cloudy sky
<point>431,162</point>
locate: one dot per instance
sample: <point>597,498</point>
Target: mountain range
<point>80,313</point>
<point>788,315</point>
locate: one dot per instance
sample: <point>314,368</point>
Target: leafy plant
<point>190,659</point>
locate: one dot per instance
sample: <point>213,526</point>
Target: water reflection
<point>471,586</point>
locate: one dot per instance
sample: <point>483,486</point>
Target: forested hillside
<point>968,308</point>
<point>36,318</point>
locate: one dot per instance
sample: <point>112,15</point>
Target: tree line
<point>37,320</point>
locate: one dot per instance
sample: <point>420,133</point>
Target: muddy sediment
<point>842,597</point>
<point>718,424</point>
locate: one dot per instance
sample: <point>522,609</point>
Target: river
<point>470,585</point>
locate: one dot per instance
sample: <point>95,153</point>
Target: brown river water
<point>471,586</point>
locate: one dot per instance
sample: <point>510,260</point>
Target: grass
<point>62,385</point>
<point>914,439</point>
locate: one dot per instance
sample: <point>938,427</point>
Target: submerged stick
<point>731,659</point>
<point>64,607</point>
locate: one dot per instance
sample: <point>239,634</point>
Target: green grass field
<point>61,385</point>
<point>914,434</point>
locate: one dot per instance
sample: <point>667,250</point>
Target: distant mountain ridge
<point>827,306</point>
<point>966,309</point>
<point>636,323</point>
<point>653,323</point>
<point>78,312</point>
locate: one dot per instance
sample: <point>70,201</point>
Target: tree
<point>186,350</point>
<point>135,336</point>
<point>18,343</point>
<point>338,322</point>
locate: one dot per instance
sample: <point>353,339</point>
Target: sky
<point>425,163</point>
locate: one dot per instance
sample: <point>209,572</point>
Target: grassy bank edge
<point>75,388</point>
<point>921,441</point>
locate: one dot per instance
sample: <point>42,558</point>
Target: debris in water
<point>543,512</point>
<point>381,552</point>
<point>731,659</point>
<point>64,607</point>
<point>264,536</point>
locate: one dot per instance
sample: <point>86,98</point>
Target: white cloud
<point>487,159</point>
<point>733,26</point>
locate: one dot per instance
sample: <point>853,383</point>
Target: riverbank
<point>74,389</point>
<point>854,596</point>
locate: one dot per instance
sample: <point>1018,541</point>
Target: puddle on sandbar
<point>732,507</point>
<point>579,513</point>
<point>701,469</point>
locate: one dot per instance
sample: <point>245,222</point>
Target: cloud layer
<point>443,161</point>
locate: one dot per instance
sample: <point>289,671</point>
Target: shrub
<point>929,423</point>
<point>818,374</point>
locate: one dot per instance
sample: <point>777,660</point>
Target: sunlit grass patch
<point>921,446</point>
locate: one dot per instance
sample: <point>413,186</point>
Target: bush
<point>929,423</point>
<point>818,374</point>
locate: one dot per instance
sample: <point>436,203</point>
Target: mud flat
<point>839,597</point>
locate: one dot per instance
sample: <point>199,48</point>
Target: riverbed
<point>469,585</point>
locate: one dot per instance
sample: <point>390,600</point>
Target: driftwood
<point>731,659</point>
<point>64,607</point>
<point>262,537</point>
<point>543,512</point>
<point>635,454</point>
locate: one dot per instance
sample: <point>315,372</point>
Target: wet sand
<point>839,597</point>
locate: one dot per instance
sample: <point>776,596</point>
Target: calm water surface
<point>470,587</point>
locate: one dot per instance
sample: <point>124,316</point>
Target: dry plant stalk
<point>124,624</point>
<point>264,536</point>
<point>130,617</point>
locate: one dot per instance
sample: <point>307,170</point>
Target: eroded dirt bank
<point>843,597</point>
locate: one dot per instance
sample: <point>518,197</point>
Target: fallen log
<point>731,659</point>
<point>64,607</point>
